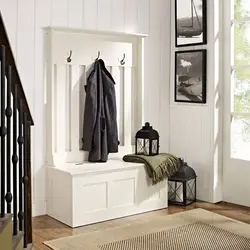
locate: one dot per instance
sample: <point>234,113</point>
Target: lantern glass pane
<point>191,190</point>
<point>142,146</point>
<point>175,191</point>
<point>139,146</point>
<point>154,146</point>
<point>146,146</point>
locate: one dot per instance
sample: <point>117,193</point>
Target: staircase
<point>15,163</point>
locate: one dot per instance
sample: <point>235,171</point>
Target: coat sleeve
<point>111,121</point>
<point>90,111</point>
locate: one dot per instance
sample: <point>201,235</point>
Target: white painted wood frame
<point>66,95</point>
<point>94,192</point>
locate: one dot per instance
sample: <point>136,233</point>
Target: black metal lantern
<point>147,141</point>
<point>182,186</point>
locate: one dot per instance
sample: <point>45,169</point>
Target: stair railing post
<point>25,179</point>
<point>3,131</point>
<point>29,187</point>
<point>15,160</point>
<point>20,153</point>
<point>8,113</point>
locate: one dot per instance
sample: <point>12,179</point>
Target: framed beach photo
<point>190,76</point>
<point>190,22</point>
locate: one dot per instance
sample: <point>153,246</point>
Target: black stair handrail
<point>10,60</point>
<point>15,165</point>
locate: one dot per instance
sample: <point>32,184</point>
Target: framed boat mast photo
<point>190,22</point>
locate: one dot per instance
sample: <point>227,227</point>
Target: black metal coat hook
<point>98,56</point>
<point>122,62</point>
<point>69,57</point>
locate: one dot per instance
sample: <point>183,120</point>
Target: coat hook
<point>122,62</point>
<point>69,57</point>
<point>98,56</point>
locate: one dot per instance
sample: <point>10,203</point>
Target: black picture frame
<point>190,30</point>
<point>190,85</point>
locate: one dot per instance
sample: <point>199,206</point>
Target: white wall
<point>25,20</point>
<point>189,131</point>
<point>195,129</point>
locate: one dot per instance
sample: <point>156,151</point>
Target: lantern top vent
<point>147,132</point>
<point>185,172</point>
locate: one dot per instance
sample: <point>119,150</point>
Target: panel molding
<point>120,189</point>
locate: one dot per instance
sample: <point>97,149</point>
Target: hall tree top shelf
<point>96,32</point>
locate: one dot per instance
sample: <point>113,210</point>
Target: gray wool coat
<point>100,136</point>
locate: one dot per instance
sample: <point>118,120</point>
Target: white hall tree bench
<point>81,195</point>
<point>80,192</point>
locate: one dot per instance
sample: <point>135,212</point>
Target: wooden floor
<point>46,228</point>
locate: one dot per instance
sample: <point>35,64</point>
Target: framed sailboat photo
<point>190,22</point>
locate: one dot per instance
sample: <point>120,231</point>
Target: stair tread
<point>16,239</point>
<point>4,221</point>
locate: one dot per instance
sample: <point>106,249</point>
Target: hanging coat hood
<point>100,136</point>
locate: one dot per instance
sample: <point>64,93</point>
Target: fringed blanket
<point>159,167</point>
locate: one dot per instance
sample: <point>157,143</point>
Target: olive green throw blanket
<point>158,167</point>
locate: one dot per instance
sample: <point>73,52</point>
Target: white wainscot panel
<point>98,192</point>
<point>126,187</point>
<point>190,138</point>
<point>84,195</point>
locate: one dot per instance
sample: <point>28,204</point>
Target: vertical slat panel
<point>68,113</point>
<point>82,95</point>
<point>127,105</point>
<point>42,19</point>
<point>25,42</point>
<point>59,13</point>
<point>9,13</point>
<point>116,73</point>
<point>152,69</point>
<point>90,10</point>
<point>52,94</point>
<point>144,16</point>
<point>8,157</point>
<point>131,16</point>
<point>75,13</point>
<point>135,108</point>
<point>75,108</point>
<point>104,14</point>
<point>60,91</point>
<point>165,72</point>
<point>3,130</point>
<point>140,89</point>
<point>109,68</point>
<point>118,15</point>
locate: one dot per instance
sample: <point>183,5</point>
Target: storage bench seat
<point>83,194</point>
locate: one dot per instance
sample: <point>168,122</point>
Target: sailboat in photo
<point>190,27</point>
